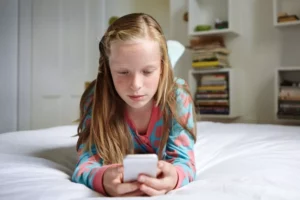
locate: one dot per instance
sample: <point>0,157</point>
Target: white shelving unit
<point>205,12</point>
<point>291,7</point>
<point>288,74</point>
<point>233,83</point>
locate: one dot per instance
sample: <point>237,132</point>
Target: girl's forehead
<point>134,50</point>
<point>134,45</point>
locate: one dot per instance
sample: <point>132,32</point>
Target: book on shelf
<point>209,64</point>
<point>289,92</point>
<point>213,80</point>
<point>213,110</point>
<point>211,49</point>
<point>212,87</point>
<point>223,102</point>
<point>211,96</point>
<point>288,116</point>
<point>214,77</point>
<point>289,100</point>
<point>287,18</point>
<point>209,53</point>
<point>210,56</point>
<point>288,107</point>
<point>212,83</point>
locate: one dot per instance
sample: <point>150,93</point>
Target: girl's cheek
<point>120,81</point>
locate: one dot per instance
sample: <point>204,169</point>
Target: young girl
<point>135,106</point>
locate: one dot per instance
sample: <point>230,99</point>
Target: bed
<point>234,161</point>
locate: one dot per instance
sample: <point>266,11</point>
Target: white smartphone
<point>136,164</point>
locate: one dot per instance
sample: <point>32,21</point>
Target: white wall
<point>179,31</point>
<point>159,9</point>
<point>8,64</point>
<point>257,51</point>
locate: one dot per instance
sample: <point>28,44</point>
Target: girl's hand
<point>164,183</point>
<point>113,186</point>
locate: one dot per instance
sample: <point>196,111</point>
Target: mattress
<point>233,161</point>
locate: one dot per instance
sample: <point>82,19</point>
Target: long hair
<point>108,130</point>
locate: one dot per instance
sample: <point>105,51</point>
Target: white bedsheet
<point>234,161</point>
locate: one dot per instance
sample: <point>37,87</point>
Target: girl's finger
<point>134,194</point>
<point>115,170</point>
<point>125,188</point>
<point>158,172</point>
<point>151,191</point>
<point>164,167</point>
<point>155,183</point>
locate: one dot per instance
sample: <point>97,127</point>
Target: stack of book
<point>289,102</point>
<point>285,17</point>
<point>212,94</point>
<point>210,57</point>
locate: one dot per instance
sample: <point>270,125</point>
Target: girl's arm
<point>180,145</point>
<point>89,168</point>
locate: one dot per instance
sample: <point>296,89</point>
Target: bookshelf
<point>228,106</point>
<point>206,12</point>
<point>288,7</point>
<point>287,94</point>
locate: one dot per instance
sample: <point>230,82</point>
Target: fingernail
<point>120,169</point>
<point>160,165</point>
<point>142,179</point>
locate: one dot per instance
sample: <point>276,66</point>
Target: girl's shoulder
<point>180,81</point>
<point>184,106</point>
<point>181,87</point>
<point>183,95</point>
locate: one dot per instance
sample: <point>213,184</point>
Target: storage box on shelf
<point>286,13</point>
<point>215,92</point>
<point>287,94</point>
<point>207,17</point>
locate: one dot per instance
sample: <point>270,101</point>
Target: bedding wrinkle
<point>233,162</point>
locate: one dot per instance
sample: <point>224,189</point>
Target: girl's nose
<point>136,82</point>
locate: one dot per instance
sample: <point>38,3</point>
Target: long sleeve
<point>89,168</point>
<point>179,148</point>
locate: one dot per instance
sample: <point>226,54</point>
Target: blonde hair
<point>108,130</point>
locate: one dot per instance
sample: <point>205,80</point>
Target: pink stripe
<point>98,179</point>
<point>184,118</point>
<point>180,174</point>
<point>155,116</point>
<point>182,140</point>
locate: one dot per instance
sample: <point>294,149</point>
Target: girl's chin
<point>138,104</point>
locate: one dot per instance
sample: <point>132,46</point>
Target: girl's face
<point>135,68</point>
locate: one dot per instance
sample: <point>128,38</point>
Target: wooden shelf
<point>205,71</point>
<point>286,24</point>
<point>290,7</point>
<point>206,12</point>
<point>285,73</point>
<point>290,68</point>
<point>233,77</point>
<point>214,32</point>
<point>208,116</point>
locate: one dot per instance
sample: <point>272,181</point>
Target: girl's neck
<point>140,111</point>
<point>140,118</point>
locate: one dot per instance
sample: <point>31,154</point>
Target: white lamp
<point>175,51</point>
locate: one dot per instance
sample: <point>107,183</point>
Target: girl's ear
<point>175,51</point>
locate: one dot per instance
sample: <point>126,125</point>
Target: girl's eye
<point>123,73</point>
<point>147,72</point>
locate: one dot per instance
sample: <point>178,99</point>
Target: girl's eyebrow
<point>150,67</point>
